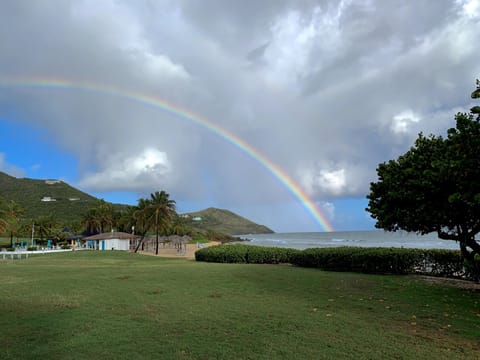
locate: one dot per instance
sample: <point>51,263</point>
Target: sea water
<point>374,238</point>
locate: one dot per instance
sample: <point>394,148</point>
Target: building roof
<point>111,235</point>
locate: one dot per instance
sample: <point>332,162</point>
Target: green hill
<point>46,197</point>
<point>66,203</point>
<point>224,221</point>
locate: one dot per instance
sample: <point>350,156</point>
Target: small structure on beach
<point>166,242</point>
<point>111,241</point>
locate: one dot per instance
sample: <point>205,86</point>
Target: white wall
<point>117,244</point>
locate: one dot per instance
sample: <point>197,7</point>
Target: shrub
<point>222,254</point>
<point>32,248</point>
<point>246,254</point>
<point>446,263</point>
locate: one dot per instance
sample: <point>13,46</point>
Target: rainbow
<point>185,114</point>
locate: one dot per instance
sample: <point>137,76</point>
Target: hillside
<point>66,203</point>
<point>224,221</point>
<point>46,197</point>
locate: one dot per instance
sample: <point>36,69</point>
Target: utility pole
<point>33,232</point>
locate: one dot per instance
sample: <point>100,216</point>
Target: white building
<point>110,241</point>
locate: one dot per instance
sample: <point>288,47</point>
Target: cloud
<point>328,208</point>
<point>137,173</point>
<point>401,122</point>
<point>323,90</point>
<point>9,168</point>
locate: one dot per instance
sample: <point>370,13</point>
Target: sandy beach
<point>189,253</point>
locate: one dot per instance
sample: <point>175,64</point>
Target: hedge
<point>445,263</point>
<point>246,254</point>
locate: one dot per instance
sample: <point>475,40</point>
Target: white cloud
<point>331,182</point>
<point>138,173</point>
<point>402,122</point>
<point>471,8</point>
<point>328,208</point>
<point>9,168</point>
<point>324,90</point>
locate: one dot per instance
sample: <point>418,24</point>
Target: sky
<point>277,110</point>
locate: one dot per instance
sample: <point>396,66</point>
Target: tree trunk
<point>156,227</point>
<point>469,256</point>
<point>140,243</point>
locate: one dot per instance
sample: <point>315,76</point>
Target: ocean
<point>374,238</point>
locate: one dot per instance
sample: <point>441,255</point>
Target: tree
<point>435,187</point>
<point>179,226</point>
<point>125,219</point>
<point>11,214</point>
<point>100,218</point>
<point>157,212</point>
<point>105,214</point>
<point>161,209</point>
<point>47,227</point>
<point>91,222</point>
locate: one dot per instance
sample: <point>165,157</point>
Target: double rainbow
<point>187,115</point>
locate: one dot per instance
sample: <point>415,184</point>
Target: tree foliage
<point>11,216</point>
<point>156,212</point>
<point>434,187</point>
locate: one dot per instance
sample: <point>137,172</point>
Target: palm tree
<point>91,222</point>
<point>11,214</point>
<point>47,227</point>
<point>106,215</point>
<point>162,210</point>
<point>125,219</point>
<point>178,226</point>
<point>141,219</point>
<point>100,218</point>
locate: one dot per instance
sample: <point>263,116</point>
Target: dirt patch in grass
<point>457,283</point>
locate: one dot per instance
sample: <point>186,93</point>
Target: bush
<point>32,248</point>
<point>66,246</point>
<point>446,263</point>
<point>222,254</point>
<point>246,254</point>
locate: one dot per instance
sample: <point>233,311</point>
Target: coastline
<point>188,253</point>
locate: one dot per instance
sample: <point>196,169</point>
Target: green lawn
<point>115,305</point>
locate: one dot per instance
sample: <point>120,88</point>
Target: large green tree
<point>162,210</point>
<point>11,216</point>
<point>48,227</point>
<point>435,187</point>
<point>100,218</point>
<point>156,212</point>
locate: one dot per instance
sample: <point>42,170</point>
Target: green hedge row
<point>383,260</point>
<point>245,254</point>
<point>446,263</point>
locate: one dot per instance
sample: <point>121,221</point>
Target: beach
<point>187,253</point>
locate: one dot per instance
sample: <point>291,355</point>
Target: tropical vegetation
<point>155,215</point>
<point>400,261</point>
<point>435,187</point>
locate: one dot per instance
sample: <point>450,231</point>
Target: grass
<point>115,305</point>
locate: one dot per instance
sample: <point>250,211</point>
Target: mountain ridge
<point>225,221</point>
<point>55,197</point>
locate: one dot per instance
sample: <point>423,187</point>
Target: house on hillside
<point>110,241</point>
<point>52,182</point>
